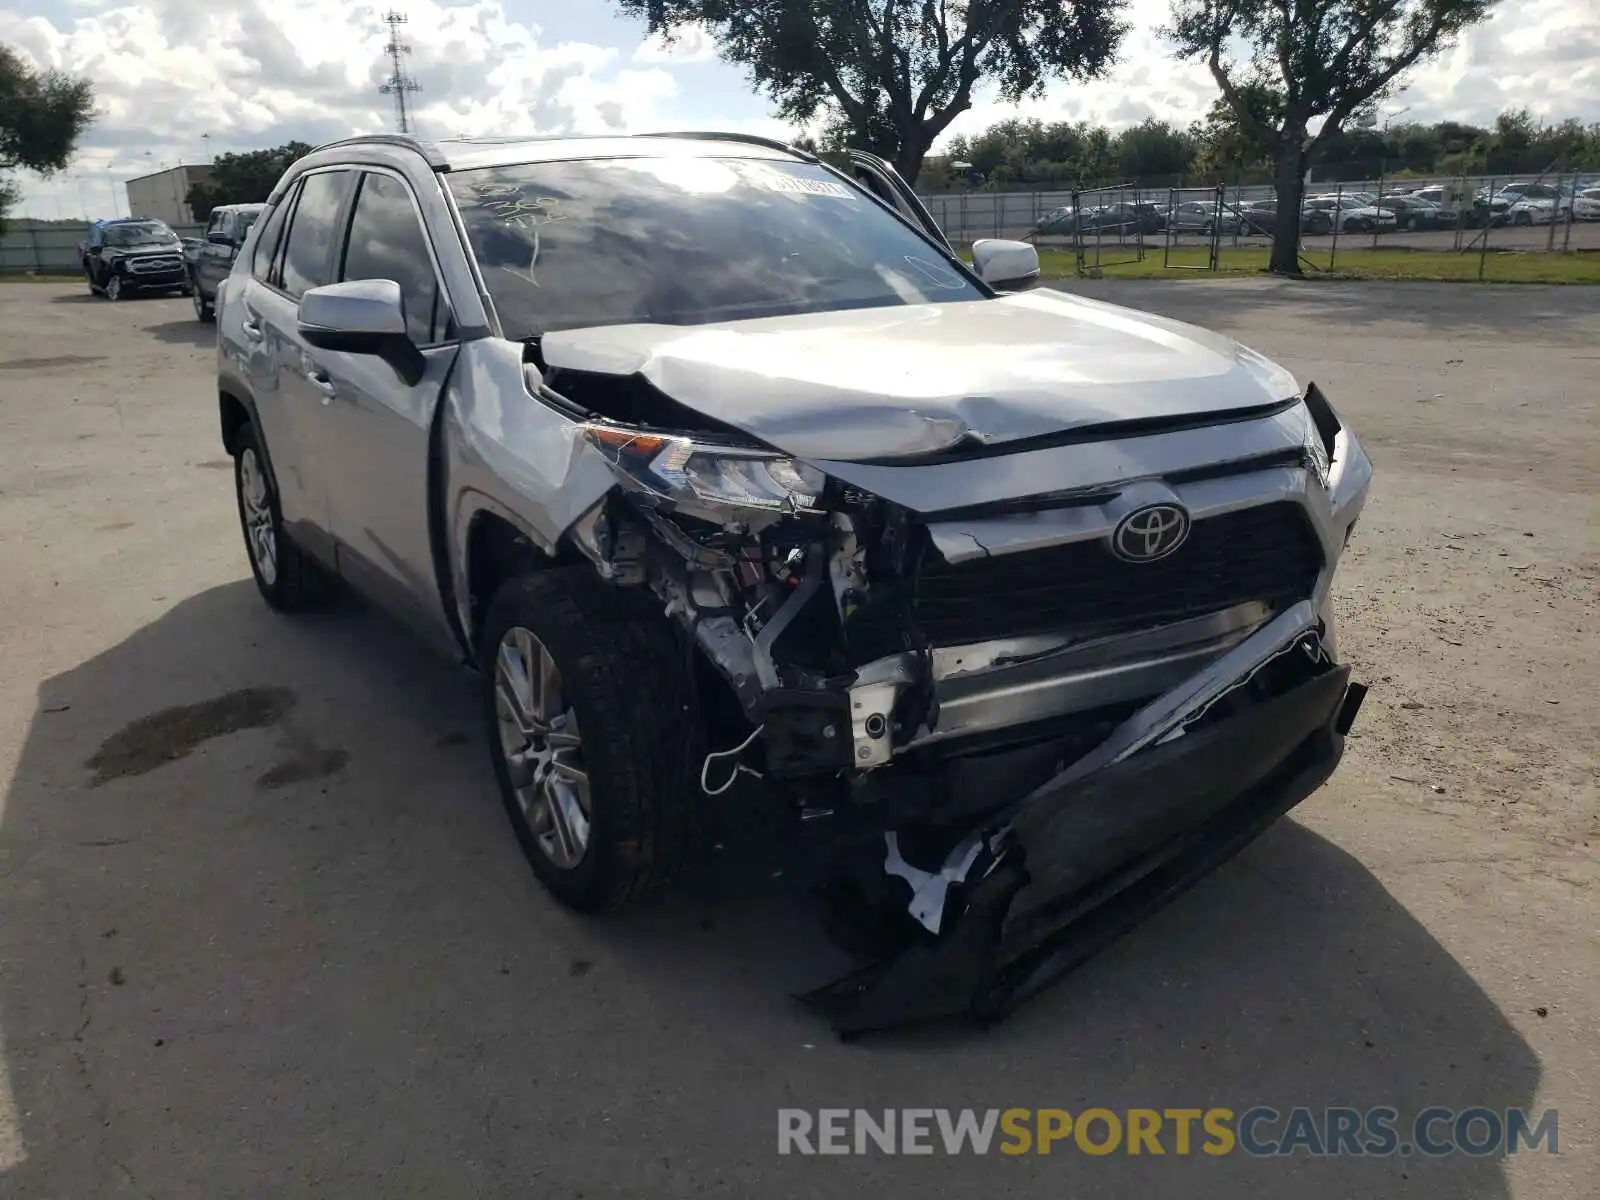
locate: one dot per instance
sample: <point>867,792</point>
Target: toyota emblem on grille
<point>1149,533</point>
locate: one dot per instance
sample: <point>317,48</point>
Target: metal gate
<point>1111,225</point>
<point>1195,221</point>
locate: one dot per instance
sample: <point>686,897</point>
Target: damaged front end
<point>1022,722</point>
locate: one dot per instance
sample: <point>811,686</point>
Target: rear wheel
<point>287,578</point>
<point>582,701</point>
<point>204,311</point>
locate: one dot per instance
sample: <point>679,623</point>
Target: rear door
<point>378,428</point>
<point>881,179</point>
<point>296,392</point>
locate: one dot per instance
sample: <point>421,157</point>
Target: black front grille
<point>1268,553</point>
<point>143,266</point>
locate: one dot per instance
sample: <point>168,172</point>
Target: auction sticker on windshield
<point>797,185</point>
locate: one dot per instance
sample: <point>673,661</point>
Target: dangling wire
<point>738,768</point>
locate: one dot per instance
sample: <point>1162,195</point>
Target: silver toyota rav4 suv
<point>744,493</point>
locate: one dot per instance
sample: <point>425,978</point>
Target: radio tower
<point>399,84</point>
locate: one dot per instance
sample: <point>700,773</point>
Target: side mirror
<point>362,316</point>
<point>1006,266</point>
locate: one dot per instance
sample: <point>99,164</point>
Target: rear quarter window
<point>266,248</point>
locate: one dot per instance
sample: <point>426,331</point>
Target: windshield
<point>139,233</point>
<point>687,241</point>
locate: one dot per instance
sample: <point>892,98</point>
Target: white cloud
<point>691,44</point>
<point>1531,53</point>
<point>167,73</point>
<point>259,73</point>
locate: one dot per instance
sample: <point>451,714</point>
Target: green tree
<point>1509,145</point>
<point>891,75</point>
<point>42,116</point>
<point>1310,59</point>
<point>1229,149</point>
<point>1154,151</point>
<point>245,178</point>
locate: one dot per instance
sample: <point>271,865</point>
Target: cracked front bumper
<point>1174,792</point>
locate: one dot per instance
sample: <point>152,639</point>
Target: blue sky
<point>259,72</point>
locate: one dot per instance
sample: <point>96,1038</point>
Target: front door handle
<point>322,383</point>
<point>251,327</point>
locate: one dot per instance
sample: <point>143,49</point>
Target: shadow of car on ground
<point>306,954</point>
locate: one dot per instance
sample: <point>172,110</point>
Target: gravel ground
<point>263,931</point>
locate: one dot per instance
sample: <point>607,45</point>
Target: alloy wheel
<point>258,524</point>
<point>114,287</point>
<point>543,748</point>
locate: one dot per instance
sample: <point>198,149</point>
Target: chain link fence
<point>1553,212</point>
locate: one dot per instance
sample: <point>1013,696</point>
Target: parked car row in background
<point>1433,206</point>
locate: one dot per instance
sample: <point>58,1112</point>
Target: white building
<point>164,194</point>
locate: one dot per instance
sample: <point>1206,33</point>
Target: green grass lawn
<point>1441,265</point>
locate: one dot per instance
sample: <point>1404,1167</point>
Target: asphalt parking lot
<point>264,930</point>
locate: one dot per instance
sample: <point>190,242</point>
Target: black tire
<point>297,582</point>
<point>88,274</point>
<point>204,310</point>
<point>620,666</point>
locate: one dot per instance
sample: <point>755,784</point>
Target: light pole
<point>1383,161</point>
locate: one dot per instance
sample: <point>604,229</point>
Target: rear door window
<point>266,251</point>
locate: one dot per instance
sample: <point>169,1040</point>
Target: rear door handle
<point>322,383</point>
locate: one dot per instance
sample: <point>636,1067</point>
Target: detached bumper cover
<point>1086,857</point>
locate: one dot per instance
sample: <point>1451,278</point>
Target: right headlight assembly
<point>707,475</point>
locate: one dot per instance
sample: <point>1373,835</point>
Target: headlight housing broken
<point>707,475</point>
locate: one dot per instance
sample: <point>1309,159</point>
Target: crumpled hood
<point>894,382</point>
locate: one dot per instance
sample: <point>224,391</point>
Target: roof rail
<point>754,139</point>
<point>427,149</point>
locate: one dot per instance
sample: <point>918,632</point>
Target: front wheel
<point>113,287</point>
<point>586,730</point>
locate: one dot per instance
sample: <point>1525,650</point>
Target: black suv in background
<point>133,254</point>
<point>209,260</point>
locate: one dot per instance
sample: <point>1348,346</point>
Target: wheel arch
<point>494,546</point>
<point>236,411</point>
